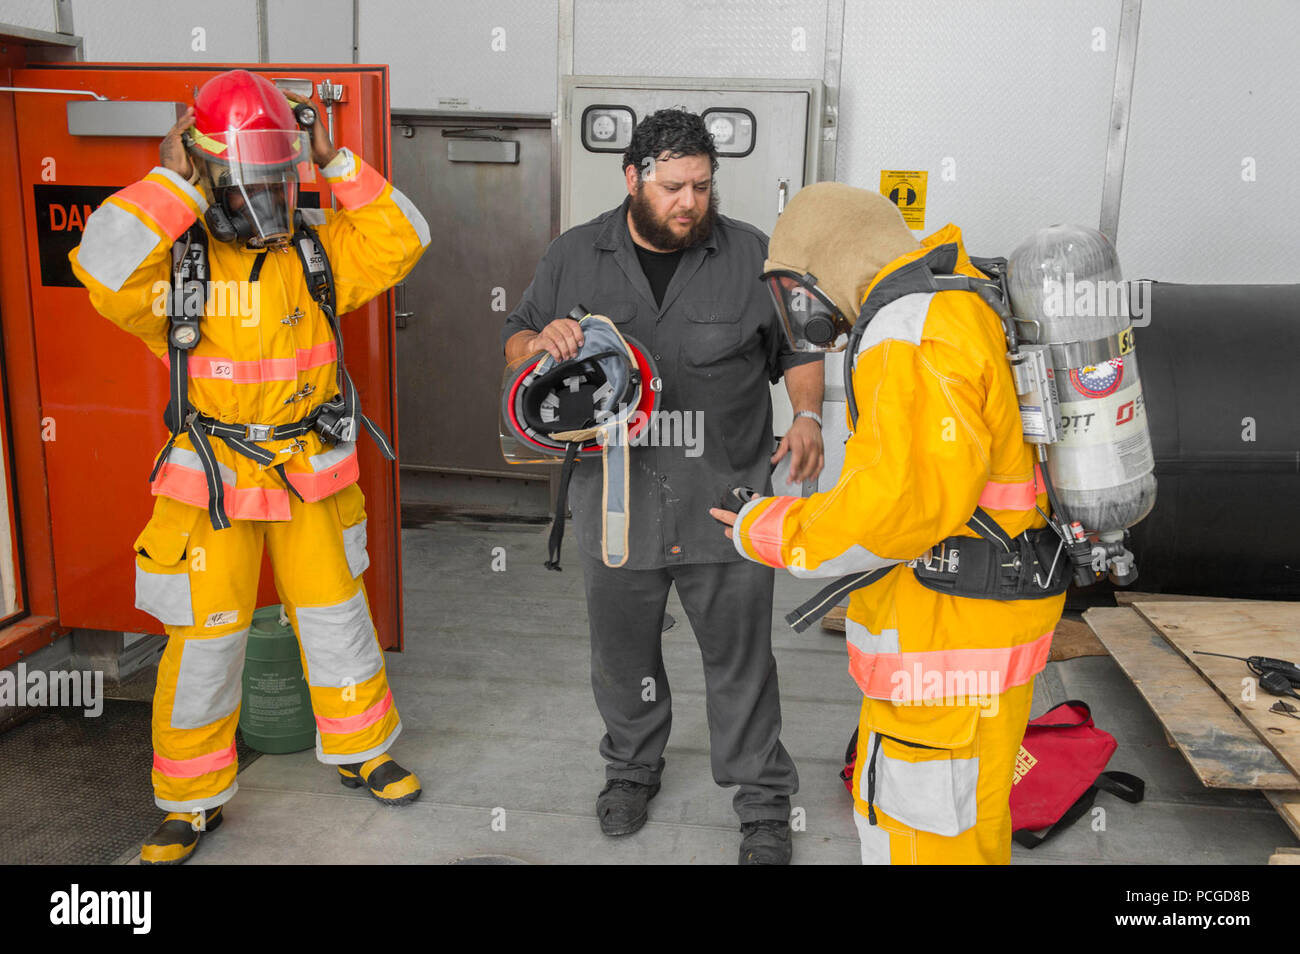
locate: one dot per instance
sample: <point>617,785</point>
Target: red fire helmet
<point>242,120</point>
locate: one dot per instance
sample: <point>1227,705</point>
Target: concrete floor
<point>499,722</point>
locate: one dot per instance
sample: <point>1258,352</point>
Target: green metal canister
<point>276,715</point>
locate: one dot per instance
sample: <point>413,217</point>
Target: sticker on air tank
<point>1103,420</point>
<point>1098,380</point>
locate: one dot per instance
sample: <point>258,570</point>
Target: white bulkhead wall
<point>1005,103</point>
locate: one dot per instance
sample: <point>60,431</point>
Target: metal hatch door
<point>485,185</point>
<point>770,151</point>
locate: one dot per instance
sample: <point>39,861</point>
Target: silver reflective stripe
<point>354,548</point>
<point>856,559</point>
<point>184,457</point>
<point>413,216</point>
<point>208,683</point>
<point>343,164</point>
<point>335,455</point>
<point>313,217</point>
<point>614,519</point>
<point>164,596</point>
<point>615,538</point>
<point>937,795</point>
<point>875,841</point>
<point>864,640</point>
<point>194,805</point>
<point>902,320</point>
<point>339,643</point>
<point>114,244</point>
<point>349,758</point>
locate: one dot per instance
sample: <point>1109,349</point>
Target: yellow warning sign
<point>907,191</point>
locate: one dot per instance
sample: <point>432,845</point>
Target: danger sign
<point>61,213</point>
<point>906,189</point>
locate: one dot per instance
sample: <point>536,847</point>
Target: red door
<point>102,393</point>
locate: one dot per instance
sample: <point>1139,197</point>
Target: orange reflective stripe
<point>317,485</point>
<point>361,189</point>
<point>902,677</point>
<point>357,722</point>
<point>1020,495</point>
<point>764,534</point>
<point>160,204</point>
<point>208,367</point>
<point>190,486</point>
<point>193,768</point>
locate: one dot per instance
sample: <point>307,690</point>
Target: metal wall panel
<point>1012,92</point>
<point>32,14</point>
<point>1215,86</point>
<point>309,31</point>
<point>448,55</point>
<point>768,39</point>
<point>162,31</point>
<point>490,225</point>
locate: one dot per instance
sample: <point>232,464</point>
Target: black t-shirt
<point>659,268</point>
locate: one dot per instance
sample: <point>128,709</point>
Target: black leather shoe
<point>765,842</point>
<point>622,804</point>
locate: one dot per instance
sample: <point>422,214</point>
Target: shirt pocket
<point>620,311</point>
<point>711,333</point>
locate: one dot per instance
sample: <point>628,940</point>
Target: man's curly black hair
<point>674,131</point>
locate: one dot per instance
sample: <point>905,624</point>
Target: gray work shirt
<point>717,343</point>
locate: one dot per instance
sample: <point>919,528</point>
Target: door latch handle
<point>402,314</point>
<point>782,193</point>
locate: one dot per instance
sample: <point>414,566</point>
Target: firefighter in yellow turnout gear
<point>251,465</point>
<point>935,453</point>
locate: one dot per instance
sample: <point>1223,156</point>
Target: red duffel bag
<point>1060,769</point>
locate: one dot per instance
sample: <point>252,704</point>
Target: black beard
<point>659,234</point>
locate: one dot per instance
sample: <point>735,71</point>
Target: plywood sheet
<point>1221,749</point>
<point>1240,629</point>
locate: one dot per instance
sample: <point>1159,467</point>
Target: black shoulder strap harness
<point>334,420</point>
<point>991,565</point>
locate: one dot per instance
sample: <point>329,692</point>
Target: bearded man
<point>678,277</point>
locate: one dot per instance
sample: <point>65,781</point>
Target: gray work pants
<point>729,606</point>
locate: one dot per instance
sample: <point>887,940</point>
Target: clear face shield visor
<point>810,320</point>
<point>254,176</point>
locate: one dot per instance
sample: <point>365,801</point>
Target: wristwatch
<point>812,415</point>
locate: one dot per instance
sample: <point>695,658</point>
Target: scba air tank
<point>1066,293</point>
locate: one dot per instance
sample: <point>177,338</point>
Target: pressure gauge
<point>185,335</point>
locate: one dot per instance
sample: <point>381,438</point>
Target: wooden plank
<point>1220,748</point>
<point>833,622</point>
<point>1288,806</point>
<point>1239,629</point>
<point>1073,639</point>
<point>1129,597</point>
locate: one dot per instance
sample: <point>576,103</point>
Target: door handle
<point>782,193</point>
<point>402,314</point>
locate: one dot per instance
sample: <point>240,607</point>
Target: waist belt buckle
<point>259,432</point>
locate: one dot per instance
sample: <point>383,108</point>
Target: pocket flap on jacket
<point>934,727</point>
<point>166,536</point>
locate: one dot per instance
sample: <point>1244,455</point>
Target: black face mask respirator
<point>263,217</point>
